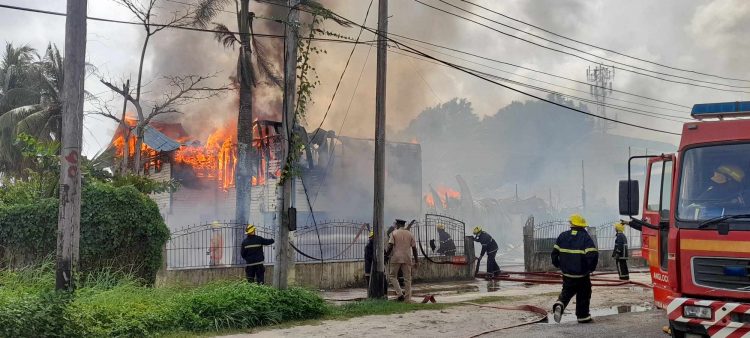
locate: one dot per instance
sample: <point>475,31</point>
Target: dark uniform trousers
<point>256,273</point>
<point>580,288</point>
<point>622,268</point>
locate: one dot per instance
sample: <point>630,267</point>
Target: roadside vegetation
<point>113,304</point>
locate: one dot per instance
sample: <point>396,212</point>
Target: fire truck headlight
<point>693,311</point>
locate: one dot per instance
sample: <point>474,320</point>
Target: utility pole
<point>377,277</point>
<point>283,252</point>
<point>69,217</point>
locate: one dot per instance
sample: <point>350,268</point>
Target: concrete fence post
<point>470,255</point>
<point>528,244</point>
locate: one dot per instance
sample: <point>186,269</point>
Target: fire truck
<point>695,223</point>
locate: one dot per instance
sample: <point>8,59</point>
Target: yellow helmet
<point>250,230</point>
<point>372,234</point>
<point>477,230</point>
<point>619,227</point>
<point>732,171</point>
<point>577,220</point>
<point>440,226</point>
<point>215,224</point>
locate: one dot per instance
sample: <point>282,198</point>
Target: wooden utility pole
<point>69,217</point>
<point>283,254</point>
<point>243,188</point>
<point>377,277</point>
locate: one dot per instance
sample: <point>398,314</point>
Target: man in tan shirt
<point>401,248</point>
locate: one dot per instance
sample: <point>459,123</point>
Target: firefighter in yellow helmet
<point>252,252</point>
<point>576,255</point>
<point>725,186</point>
<point>489,247</point>
<point>620,253</point>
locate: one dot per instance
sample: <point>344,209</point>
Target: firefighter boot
<point>557,311</point>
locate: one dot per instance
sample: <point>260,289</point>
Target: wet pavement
<point>644,324</point>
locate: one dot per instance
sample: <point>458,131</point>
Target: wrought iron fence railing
<point>546,232</point>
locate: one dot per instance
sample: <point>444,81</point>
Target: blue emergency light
<point>737,271</point>
<point>720,110</point>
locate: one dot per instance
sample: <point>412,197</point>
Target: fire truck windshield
<point>714,182</point>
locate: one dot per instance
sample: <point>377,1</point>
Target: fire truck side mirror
<point>629,200</point>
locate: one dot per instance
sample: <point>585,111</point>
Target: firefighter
<point>252,252</point>
<point>576,255</point>
<point>726,185</point>
<point>620,253</point>
<point>401,249</point>
<point>447,247</point>
<point>489,247</point>
<point>396,224</point>
<point>369,255</point>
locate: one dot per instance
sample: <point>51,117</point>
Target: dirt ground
<point>465,320</point>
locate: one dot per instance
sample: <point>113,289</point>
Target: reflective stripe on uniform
<point>574,232</point>
<point>584,319</point>
<point>574,276</point>
<point>254,264</point>
<point>571,251</point>
<point>253,246</point>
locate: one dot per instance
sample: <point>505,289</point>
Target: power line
<point>557,85</point>
<point>487,58</point>
<point>589,60</point>
<point>380,35</point>
<point>602,48</point>
<point>522,92</point>
<point>186,28</point>
<point>349,59</point>
<point>589,101</point>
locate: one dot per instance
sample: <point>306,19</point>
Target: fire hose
<point>349,246</point>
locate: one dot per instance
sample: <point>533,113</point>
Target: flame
<point>446,194</point>
<point>414,140</point>
<point>216,159</point>
<point>429,200</point>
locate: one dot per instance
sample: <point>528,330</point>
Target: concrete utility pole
<point>377,276</point>
<point>69,217</point>
<point>283,254</point>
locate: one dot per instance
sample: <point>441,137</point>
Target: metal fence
<point>218,244</point>
<point>428,236</point>
<point>215,244</point>
<point>545,234</point>
<point>332,241</point>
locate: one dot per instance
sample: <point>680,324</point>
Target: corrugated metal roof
<point>158,141</point>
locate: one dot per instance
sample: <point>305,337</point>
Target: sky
<point>702,36</point>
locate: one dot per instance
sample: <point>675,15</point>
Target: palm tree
<point>15,86</point>
<point>249,69</point>
<point>38,85</point>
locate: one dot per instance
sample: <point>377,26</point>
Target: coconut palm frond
<point>265,67</point>
<point>18,97</point>
<point>225,36</point>
<point>206,10</point>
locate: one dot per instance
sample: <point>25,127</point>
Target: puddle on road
<point>570,317</point>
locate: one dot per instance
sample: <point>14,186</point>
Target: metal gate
<point>441,242</point>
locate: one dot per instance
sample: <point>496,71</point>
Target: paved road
<point>635,324</point>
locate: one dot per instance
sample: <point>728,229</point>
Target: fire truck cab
<point>695,223</point>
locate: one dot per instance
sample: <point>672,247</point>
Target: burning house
<point>336,178</point>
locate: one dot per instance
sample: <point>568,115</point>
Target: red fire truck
<point>696,223</point>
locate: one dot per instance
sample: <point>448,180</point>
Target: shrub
<point>120,227</point>
<point>109,304</point>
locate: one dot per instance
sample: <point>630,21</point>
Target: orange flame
<point>429,200</point>
<point>447,194</point>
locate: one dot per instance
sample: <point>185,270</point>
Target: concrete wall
<point>327,276</point>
